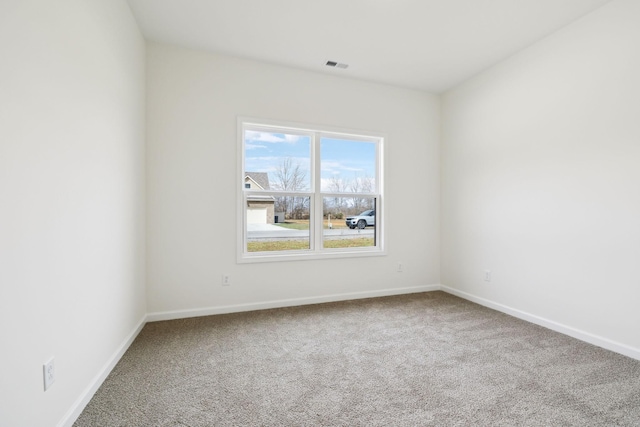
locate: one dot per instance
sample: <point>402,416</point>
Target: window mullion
<point>317,196</point>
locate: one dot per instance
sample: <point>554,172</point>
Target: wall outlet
<point>400,267</point>
<point>487,275</point>
<point>226,280</point>
<point>49,373</point>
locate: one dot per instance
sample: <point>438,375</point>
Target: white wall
<point>71,199</point>
<point>539,185</point>
<point>541,173</point>
<point>193,101</point>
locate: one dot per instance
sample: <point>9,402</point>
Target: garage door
<point>256,215</point>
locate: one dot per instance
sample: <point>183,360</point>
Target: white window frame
<point>315,195</point>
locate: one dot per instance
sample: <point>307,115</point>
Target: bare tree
<point>290,177</point>
<point>336,204</point>
<point>363,184</point>
<point>367,184</point>
<point>337,185</point>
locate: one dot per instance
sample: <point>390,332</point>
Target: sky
<point>341,159</point>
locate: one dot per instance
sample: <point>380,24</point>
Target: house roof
<point>260,178</point>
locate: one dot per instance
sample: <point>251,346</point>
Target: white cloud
<point>255,136</point>
<point>250,146</point>
<point>338,167</point>
<point>292,138</point>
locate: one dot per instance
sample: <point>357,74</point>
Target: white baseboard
<point>223,309</point>
<point>76,409</point>
<point>605,343</point>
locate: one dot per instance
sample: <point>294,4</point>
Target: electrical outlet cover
<point>49,373</point>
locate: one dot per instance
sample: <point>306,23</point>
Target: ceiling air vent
<point>336,64</point>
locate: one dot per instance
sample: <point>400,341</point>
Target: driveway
<point>264,227</point>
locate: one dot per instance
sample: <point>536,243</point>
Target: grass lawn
<point>290,245</point>
<point>303,224</point>
<point>349,243</point>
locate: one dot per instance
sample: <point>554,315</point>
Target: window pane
<point>348,166</point>
<point>349,222</point>
<point>271,230</point>
<point>277,161</point>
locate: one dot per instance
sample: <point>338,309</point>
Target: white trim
<point>224,309</point>
<point>587,337</point>
<point>364,251</point>
<point>315,133</point>
<point>78,406</point>
<point>301,128</point>
<point>241,221</point>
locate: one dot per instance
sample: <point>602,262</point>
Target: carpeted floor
<point>428,359</point>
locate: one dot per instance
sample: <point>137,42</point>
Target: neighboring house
<point>260,209</point>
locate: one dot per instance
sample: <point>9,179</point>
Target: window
<point>307,192</point>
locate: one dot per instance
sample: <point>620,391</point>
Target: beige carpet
<point>428,359</point>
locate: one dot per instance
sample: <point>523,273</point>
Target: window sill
<point>302,256</point>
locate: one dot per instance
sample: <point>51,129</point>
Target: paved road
<point>257,232</point>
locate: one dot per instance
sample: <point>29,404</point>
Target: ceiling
<point>431,45</point>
